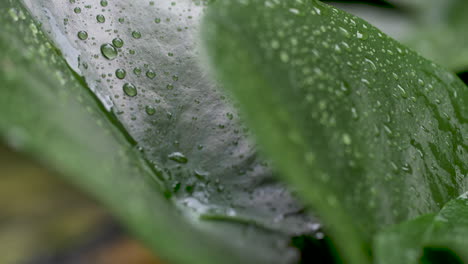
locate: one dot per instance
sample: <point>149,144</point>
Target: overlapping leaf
<point>443,236</point>
<point>369,132</point>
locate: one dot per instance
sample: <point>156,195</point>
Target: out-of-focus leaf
<point>47,111</point>
<point>411,242</point>
<point>369,132</point>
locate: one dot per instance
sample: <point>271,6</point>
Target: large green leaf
<point>369,132</point>
<point>445,233</point>
<point>173,162</point>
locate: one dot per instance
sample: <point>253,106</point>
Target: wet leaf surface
<point>369,132</point>
<point>436,238</point>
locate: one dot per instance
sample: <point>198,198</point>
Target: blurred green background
<point>44,220</point>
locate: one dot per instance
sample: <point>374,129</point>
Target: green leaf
<point>46,112</point>
<point>170,158</point>
<point>369,133</point>
<point>444,234</point>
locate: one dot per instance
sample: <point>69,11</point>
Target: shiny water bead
<point>150,110</point>
<point>120,73</point>
<point>137,71</point>
<point>178,157</point>
<point>83,35</point>
<point>109,51</point>
<point>101,18</point>
<point>130,90</point>
<point>136,34</point>
<point>150,74</point>
<point>117,42</point>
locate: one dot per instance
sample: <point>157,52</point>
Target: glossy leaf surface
<point>369,132</point>
<point>435,238</point>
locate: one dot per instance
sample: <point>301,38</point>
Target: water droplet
<point>371,64</point>
<point>82,35</point>
<point>150,74</point>
<point>109,51</point>
<point>14,14</point>
<point>294,11</point>
<point>345,32</point>
<point>354,113</point>
<point>388,130</point>
<point>150,110</point>
<point>101,18</point>
<point>361,35</point>
<point>77,10</point>
<point>137,71</point>
<point>130,89</point>
<point>104,3</point>
<point>316,11</point>
<point>136,34</point>
<point>120,73</point>
<point>284,56</point>
<point>407,168</point>
<point>201,175</point>
<point>117,42</point>
<point>346,139</point>
<point>404,94</point>
<point>275,44</point>
<point>178,157</point>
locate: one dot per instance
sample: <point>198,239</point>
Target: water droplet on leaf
<point>100,18</point>
<point>120,73</point>
<point>130,89</point>
<point>178,157</point>
<point>150,74</point>
<point>136,34</point>
<point>117,42</point>
<point>150,110</point>
<point>82,35</point>
<point>109,51</point>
